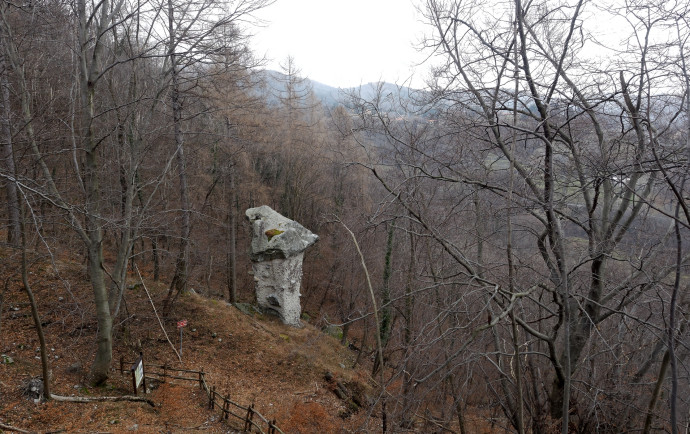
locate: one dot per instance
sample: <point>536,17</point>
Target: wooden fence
<point>252,419</point>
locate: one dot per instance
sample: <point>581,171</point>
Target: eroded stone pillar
<point>277,251</point>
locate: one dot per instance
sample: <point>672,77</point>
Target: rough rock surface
<point>276,236</point>
<point>277,251</point>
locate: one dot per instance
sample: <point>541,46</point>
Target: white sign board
<point>138,373</point>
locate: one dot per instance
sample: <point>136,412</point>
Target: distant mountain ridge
<point>331,96</point>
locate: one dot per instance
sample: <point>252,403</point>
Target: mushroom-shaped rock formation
<point>277,251</point>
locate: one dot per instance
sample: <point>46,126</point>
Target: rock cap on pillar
<point>275,236</point>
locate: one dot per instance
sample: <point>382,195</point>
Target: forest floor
<point>252,358</point>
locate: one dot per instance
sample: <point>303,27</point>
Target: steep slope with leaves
<point>252,358</point>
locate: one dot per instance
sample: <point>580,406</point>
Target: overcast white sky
<point>343,43</point>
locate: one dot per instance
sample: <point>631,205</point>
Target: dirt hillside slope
<point>252,358</point>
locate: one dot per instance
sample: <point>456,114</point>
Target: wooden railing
<point>215,400</point>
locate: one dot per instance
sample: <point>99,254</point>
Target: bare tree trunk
<point>384,327</point>
<point>655,393</point>
<point>346,332</point>
<point>454,388</point>
<point>88,399</point>
<point>89,59</point>
<point>520,412</point>
<point>679,251</point>
<point>672,323</point>
<point>179,280</point>
<point>2,302</point>
<point>104,341</point>
<point>127,235</point>
<point>457,405</point>
<point>14,428</point>
<point>36,317</point>
<point>125,246</point>
<point>119,276</point>
<point>407,336</point>
<point>232,293</point>
<point>13,230</point>
<point>156,259</point>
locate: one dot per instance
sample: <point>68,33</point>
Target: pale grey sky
<point>343,43</point>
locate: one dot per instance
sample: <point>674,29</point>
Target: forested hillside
<point>509,242</point>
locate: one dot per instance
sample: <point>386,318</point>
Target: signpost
<point>180,325</point>
<point>138,376</point>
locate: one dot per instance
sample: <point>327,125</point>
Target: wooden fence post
<point>248,419</point>
<point>226,406</point>
<point>201,379</point>
<point>272,427</point>
<point>212,398</point>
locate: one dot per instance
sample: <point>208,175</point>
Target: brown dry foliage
<point>255,360</point>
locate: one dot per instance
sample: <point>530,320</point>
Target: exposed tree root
<point>11,428</point>
<point>102,399</point>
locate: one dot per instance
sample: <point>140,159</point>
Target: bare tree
<point>524,113</point>
<point>566,104</point>
<point>192,41</point>
<point>6,154</point>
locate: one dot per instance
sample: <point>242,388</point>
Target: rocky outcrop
<point>277,252</point>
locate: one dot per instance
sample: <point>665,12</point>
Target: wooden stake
<point>248,419</point>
